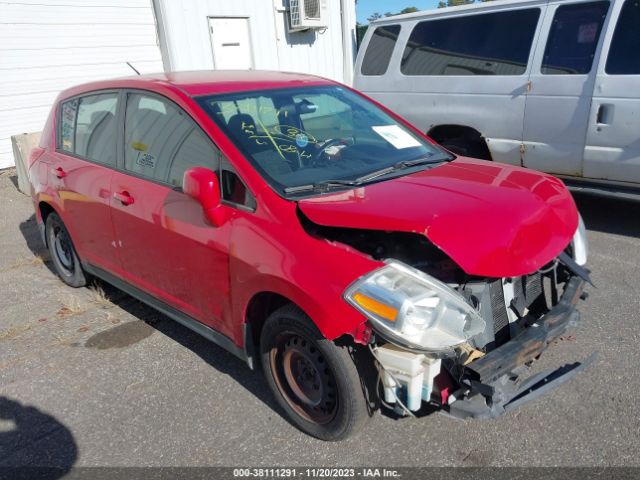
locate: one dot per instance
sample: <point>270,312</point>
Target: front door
<point>231,43</point>
<point>562,79</point>
<point>613,146</point>
<point>167,247</point>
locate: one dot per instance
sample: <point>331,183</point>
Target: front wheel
<point>315,381</point>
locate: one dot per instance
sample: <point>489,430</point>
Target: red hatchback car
<point>303,226</point>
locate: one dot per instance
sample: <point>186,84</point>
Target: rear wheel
<point>63,254</point>
<point>314,380</point>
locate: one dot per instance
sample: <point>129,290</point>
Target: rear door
<point>613,144</point>
<point>82,169</point>
<point>562,80</point>
<point>166,245</point>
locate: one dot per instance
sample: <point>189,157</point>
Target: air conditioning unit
<point>307,14</point>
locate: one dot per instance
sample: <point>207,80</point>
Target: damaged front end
<point>458,342</point>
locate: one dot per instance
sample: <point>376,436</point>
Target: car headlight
<point>580,245</point>
<point>412,309</point>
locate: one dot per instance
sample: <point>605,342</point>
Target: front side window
<point>162,141</point>
<point>486,44</point>
<point>88,127</point>
<point>624,53</point>
<point>301,137</point>
<point>573,38</point>
<point>376,58</point>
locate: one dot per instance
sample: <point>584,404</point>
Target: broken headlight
<point>412,309</point>
<point>580,245</point>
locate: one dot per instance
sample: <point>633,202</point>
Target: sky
<point>364,8</point>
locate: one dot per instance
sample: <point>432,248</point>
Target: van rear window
<point>573,38</point>
<point>376,58</point>
<point>496,43</point>
<point>623,54</point>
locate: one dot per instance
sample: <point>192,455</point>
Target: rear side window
<point>88,127</point>
<point>162,141</point>
<point>624,53</point>
<point>573,38</point>
<point>487,44</point>
<point>376,58</point>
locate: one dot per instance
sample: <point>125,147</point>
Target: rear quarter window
<point>496,43</point>
<point>379,50</point>
<point>88,127</point>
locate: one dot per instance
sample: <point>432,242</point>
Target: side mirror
<point>202,185</point>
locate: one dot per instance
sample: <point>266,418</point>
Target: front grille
<point>500,317</point>
<point>526,289</point>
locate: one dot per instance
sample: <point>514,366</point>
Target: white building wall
<point>184,27</point>
<point>49,45</point>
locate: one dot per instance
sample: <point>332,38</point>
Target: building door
<point>231,44</point>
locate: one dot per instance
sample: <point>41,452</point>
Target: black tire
<point>63,254</point>
<point>468,147</point>
<point>314,380</point>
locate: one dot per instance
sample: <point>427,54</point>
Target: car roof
<point>205,82</point>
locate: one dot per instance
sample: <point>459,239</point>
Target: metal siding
<point>273,47</point>
<point>49,45</point>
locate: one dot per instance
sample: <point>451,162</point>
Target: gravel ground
<point>91,377</point>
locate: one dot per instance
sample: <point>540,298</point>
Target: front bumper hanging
<point>492,383</point>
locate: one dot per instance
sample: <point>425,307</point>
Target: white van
<point>551,85</point>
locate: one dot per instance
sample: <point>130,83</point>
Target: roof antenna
<point>133,68</point>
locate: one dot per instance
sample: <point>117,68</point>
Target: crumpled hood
<point>492,219</point>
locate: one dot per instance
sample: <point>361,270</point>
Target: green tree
<point>455,3</point>
<point>408,10</point>
<point>374,16</point>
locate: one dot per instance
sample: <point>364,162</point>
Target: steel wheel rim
<point>304,379</point>
<point>63,250</point>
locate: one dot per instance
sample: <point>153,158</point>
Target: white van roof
<point>481,6</point>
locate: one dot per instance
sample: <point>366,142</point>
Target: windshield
<point>303,138</point>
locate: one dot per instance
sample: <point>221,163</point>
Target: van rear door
<point>562,79</point>
<point>613,146</point>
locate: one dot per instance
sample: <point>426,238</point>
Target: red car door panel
<point>168,248</point>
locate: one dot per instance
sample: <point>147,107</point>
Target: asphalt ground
<point>91,377</point>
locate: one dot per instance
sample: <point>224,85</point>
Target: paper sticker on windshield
<point>396,136</point>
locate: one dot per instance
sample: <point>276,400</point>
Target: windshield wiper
<point>326,185</point>
<point>323,186</point>
<point>397,166</point>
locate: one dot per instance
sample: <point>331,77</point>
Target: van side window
<point>573,38</point>
<point>376,58</point>
<point>88,127</point>
<point>486,44</point>
<point>162,141</point>
<point>624,56</point>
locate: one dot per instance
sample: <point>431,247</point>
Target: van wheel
<point>63,254</point>
<point>314,380</point>
<point>468,147</point>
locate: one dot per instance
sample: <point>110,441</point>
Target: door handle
<point>60,173</point>
<point>604,114</point>
<point>125,198</point>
